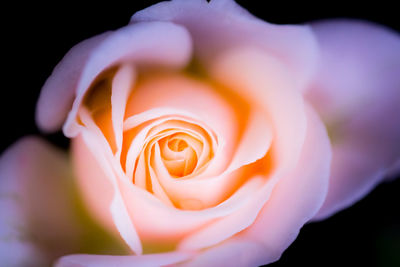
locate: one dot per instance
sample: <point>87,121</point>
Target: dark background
<point>36,37</point>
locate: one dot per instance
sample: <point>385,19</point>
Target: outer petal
<point>143,207</point>
<point>357,93</point>
<point>37,219</point>
<point>232,253</point>
<point>192,96</point>
<point>152,260</point>
<point>121,86</point>
<point>261,75</point>
<point>111,171</point>
<point>58,92</point>
<point>268,85</point>
<point>294,200</point>
<point>137,43</point>
<point>223,24</point>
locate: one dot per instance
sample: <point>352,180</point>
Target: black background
<point>36,37</point>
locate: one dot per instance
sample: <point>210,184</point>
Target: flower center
<point>177,144</point>
<point>179,153</point>
<point>170,147</point>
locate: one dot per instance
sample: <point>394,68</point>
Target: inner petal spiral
<point>179,152</point>
<point>170,147</point>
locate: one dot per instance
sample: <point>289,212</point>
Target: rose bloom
<point>201,136</point>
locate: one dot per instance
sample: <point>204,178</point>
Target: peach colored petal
<point>153,260</point>
<point>220,25</point>
<point>393,171</point>
<point>121,85</point>
<point>214,189</point>
<point>177,223</point>
<point>294,200</point>
<point>356,91</point>
<point>106,102</point>
<point>194,97</point>
<point>226,227</point>
<point>134,43</point>
<point>254,142</point>
<point>144,207</point>
<point>208,191</point>
<point>36,195</point>
<point>194,193</point>
<point>269,87</point>
<point>58,92</point>
<point>297,196</point>
<point>166,117</point>
<point>188,222</point>
<point>140,174</point>
<point>158,190</point>
<point>190,96</point>
<point>89,173</point>
<point>95,142</point>
<point>232,253</point>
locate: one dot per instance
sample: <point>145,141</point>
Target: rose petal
<point>106,102</point>
<point>58,92</point>
<point>295,199</point>
<point>354,173</point>
<point>226,227</point>
<point>160,119</point>
<point>180,223</point>
<point>37,221</point>
<point>207,191</point>
<point>268,86</point>
<point>356,91</point>
<point>137,43</point>
<point>232,253</point>
<point>191,96</point>
<point>143,207</point>
<point>298,195</point>
<point>222,25</point>
<point>255,141</point>
<point>162,259</point>
<point>121,86</point>
<point>102,158</point>
<point>284,107</point>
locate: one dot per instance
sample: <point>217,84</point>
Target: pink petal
<point>254,142</point>
<point>189,95</point>
<point>152,260</point>
<point>294,200</point>
<point>357,93</point>
<point>154,97</point>
<point>139,44</point>
<point>99,171</point>
<point>221,25</point>
<point>160,119</point>
<point>231,253</point>
<point>260,75</point>
<point>134,43</point>
<point>142,206</point>
<point>36,201</point>
<point>253,195</point>
<point>59,90</point>
<point>209,191</point>
<point>121,85</point>
<point>268,86</point>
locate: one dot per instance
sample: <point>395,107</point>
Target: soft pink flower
<point>200,136</point>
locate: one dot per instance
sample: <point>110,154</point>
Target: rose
<point>308,204</point>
